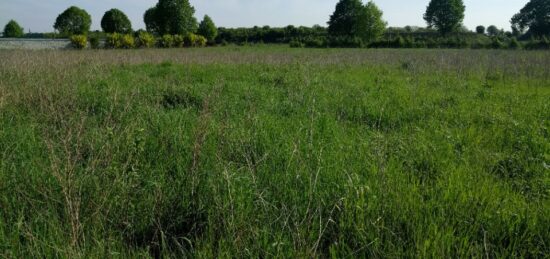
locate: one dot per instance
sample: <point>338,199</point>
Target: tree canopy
<point>151,20</point>
<point>171,17</point>
<point>208,29</point>
<point>115,20</point>
<point>73,21</point>
<point>445,15</point>
<point>353,19</point>
<point>480,29</point>
<point>13,30</point>
<point>535,16</point>
<point>493,30</point>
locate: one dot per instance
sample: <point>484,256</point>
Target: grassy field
<point>272,152</point>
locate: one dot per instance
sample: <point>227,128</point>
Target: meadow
<point>272,152</point>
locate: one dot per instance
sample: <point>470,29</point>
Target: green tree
<point>480,29</point>
<point>371,26</point>
<point>151,20</point>
<point>445,15</point>
<point>115,20</point>
<point>535,16</point>
<point>13,30</point>
<point>73,21</point>
<point>208,29</point>
<point>176,17</point>
<point>493,30</point>
<point>345,19</point>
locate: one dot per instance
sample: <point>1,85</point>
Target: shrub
<point>296,44</point>
<point>113,41</point>
<point>79,41</point>
<point>179,41</point>
<point>497,44</point>
<point>346,42</point>
<point>145,40</point>
<point>94,41</point>
<point>193,40</point>
<point>315,43</point>
<point>166,41</point>
<point>127,41</point>
<point>514,44</point>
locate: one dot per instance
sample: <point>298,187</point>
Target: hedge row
<point>139,40</point>
<point>401,42</point>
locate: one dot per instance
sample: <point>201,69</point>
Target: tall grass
<point>271,152</point>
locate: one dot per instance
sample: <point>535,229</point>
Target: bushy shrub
<point>346,42</point>
<point>496,43</point>
<point>179,41</point>
<point>79,41</point>
<point>94,41</point>
<point>113,41</point>
<point>166,41</point>
<point>145,40</point>
<point>127,41</point>
<point>296,44</point>
<point>193,40</point>
<point>514,44</point>
<point>315,43</point>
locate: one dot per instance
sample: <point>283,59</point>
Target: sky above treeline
<point>39,15</point>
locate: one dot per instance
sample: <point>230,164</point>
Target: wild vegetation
<point>270,152</point>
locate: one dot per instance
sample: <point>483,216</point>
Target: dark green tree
<point>151,20</point>
<point>176,17</point>
<point>73,21</point>
<point>493,31</point>
<point>13,30</point>
<point>345,19</point>
<point>535,16</point>
<point>115,20</point>
<point>480,29</point>
<point>445,15</point>
<point>208,29</point>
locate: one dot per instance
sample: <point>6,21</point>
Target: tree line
<point>171,23</point>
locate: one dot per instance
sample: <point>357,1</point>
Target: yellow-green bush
<point>193,40</point>
<point>145,40</point>
<point>167,41</point>
<point>179,41</point>
<point>113,41</point>
<point>128,41</point>
<point>79,41</point>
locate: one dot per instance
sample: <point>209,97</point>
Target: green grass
<point>271,152</point>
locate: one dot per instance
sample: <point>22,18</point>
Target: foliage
<point>113,41</point>
<point>175,17</point>
<point>345,21</point>
<point>514,44</point>
<point>79,41</point>
<point>535,16</point>
<point>370,23</point>
<point>94,41</point>
<point>480,29</point>
<point>73,21</point>
<point>115,20</point>
<point>208,29</point>
<point>493,31</point>
<point>151,20</point>
<point>179,41</point>
<point>13,30</point>
<point>445,15</point>
<point>128,41</point>
<point>145,40</point>
<point>296,44</point>
<point>166,41</point>
<point>193,40</point>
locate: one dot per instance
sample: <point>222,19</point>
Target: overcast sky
<point>39,15</point>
